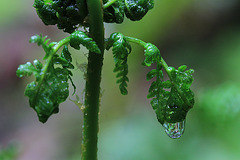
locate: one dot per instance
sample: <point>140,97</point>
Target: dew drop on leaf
<point>174,130</point>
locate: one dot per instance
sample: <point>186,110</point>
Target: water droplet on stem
<point>174,130</point>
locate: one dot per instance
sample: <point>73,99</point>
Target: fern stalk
<point>95,61</point>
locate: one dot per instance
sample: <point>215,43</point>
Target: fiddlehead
<point>79,37</point>
<point>115,12</point>
<point>69,15</point>
<point>66,14</point>
<point>135,10</point>
<point>51,85</point>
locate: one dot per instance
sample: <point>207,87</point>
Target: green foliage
<point>135,10</point>
<point>51,85</point>
<point>171,99</point>
<point>69,15</point>
<point>66,14</point>
<point>152,54</point>
<point>42,41</point>
<point>79,37</point>
<point>121,50</point>
<point>114,13</point>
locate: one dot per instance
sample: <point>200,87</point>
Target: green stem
<point>109,3</point>
<point>60,44</point>
<point>135,40</point>
<point>93,79</point>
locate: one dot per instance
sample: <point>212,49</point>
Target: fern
<point>171,99</point>
<point>69,15</point>
<point>152,54</point>
<point>121,50</point>
<point>42,41</point>
<point>48,91</point>
<point>114,13</point>
<point>170,106</point>
<point>51,85</point>
<point>79,37</point>
<point>134,10</point>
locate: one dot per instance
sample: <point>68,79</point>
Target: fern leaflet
<point>121,50</point>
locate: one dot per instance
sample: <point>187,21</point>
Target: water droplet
<point>174,130</point>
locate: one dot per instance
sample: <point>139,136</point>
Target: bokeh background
<point>204,35</point>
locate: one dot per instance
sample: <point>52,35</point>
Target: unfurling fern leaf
<point>121,50</point>
<point>171,106</point>
<point>137,9</point>
<point>171,99</point>
<point>114,13</point>
<point>42,41</point>
<point>152,54</point>
<point>68,15</point>
<point>49,89</point>
<point>79,37</point>
<point>51,85</point>
<point>46,94</point>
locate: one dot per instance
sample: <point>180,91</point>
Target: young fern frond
<point>48,91</point>
<point>69,15</point>
<point>152,54</point>
<point>115,12</point>
<point>65,60</point>
<point>79,37</point>
<point>170,106</point>
<point>66,14</point>
<point>51,85</point>
<point>121,50</point>
<point>134,10</point>
<point>171,99</point>
<point>42,41</point>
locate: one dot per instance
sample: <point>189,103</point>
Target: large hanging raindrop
<point>174,130</point>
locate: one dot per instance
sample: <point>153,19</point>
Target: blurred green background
<point>204,35</point>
